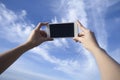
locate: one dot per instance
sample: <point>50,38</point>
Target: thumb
<point>48,39</point>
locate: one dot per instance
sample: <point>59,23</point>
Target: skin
<point>109,68</point>
<point>36,38</point>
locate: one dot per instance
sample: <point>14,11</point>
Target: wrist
<point>28,45</point>
<point>33,44</point>
<point>94,49</point>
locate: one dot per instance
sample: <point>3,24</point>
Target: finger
<point>81,34</point>
<point>77,39</point>
<point>44,24</point>
<point>49,39</point>
<point>41,24</point>
<point>43,33</point>
<point>81,26</point>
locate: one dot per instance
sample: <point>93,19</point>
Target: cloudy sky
<point>61,59</point>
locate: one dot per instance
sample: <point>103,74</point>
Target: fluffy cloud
<point>17,29</point>
<point>26,75</point>
<point>14,25</point>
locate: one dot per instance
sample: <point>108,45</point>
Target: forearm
<point>109,68</point>
<point>9,57</point>
<point>36,37</point>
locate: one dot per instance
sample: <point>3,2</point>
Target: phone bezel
<point>48,30</point>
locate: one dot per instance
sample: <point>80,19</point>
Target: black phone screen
<point>62,30</point>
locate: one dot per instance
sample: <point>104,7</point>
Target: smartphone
<point>62,30</point>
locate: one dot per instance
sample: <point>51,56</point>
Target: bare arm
<point>36,38</point>
<point>109,68</point>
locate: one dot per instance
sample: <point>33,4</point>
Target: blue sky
<point>61,59</point>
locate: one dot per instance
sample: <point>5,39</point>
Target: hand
<point>38,36</point>
<point>86,37</point>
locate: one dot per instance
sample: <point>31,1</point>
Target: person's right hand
<point>38,36</point>
<point>86,37</point>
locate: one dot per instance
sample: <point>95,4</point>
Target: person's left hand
<point>38,36</point>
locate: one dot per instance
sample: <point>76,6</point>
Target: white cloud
<point>72,67</point>
<point>69,10</point>
<point>18,29</point>
<point>26,75</point>
<point>86,12</point>
<point>13,25</point>
<point>44,53</point>
<point>96,18</point>
<point>54,20</point>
